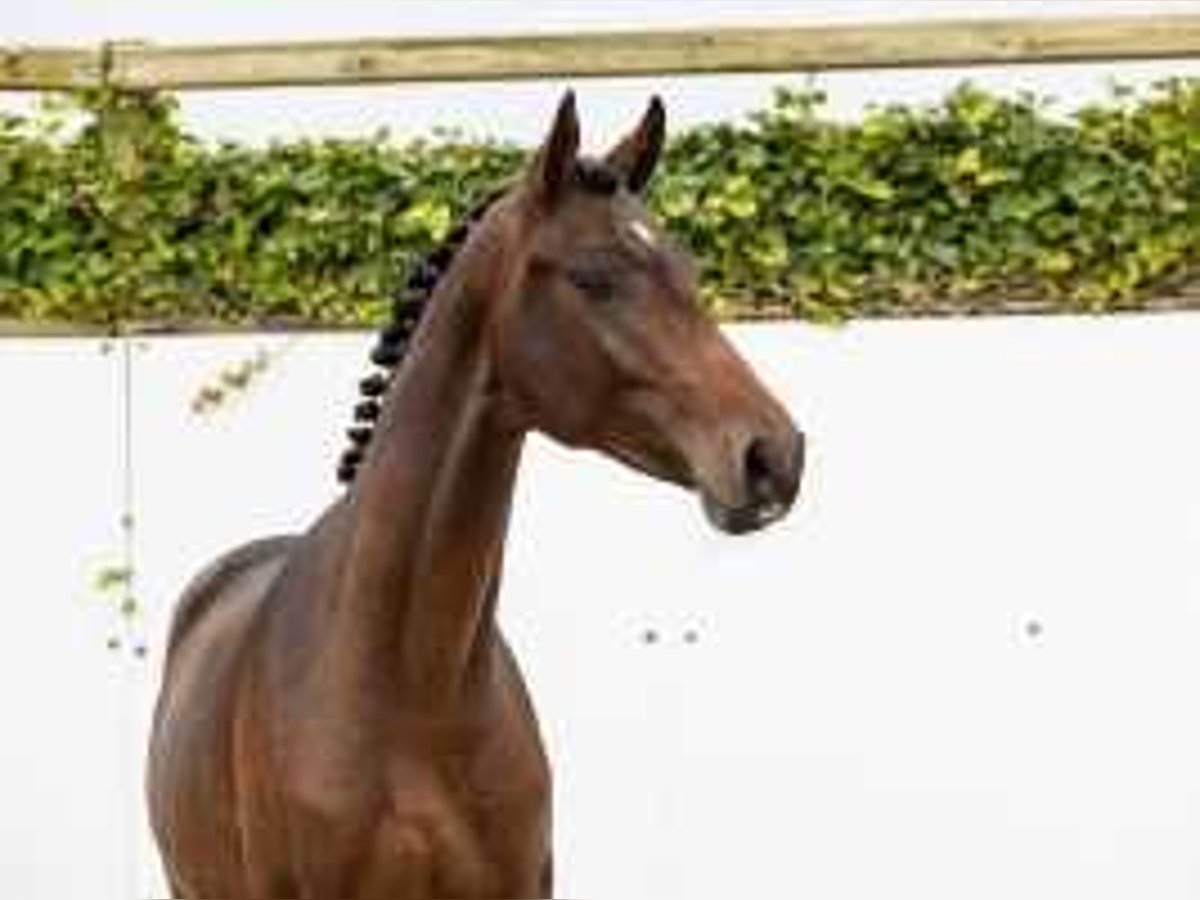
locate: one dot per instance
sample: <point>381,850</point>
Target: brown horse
<point>340,716</point>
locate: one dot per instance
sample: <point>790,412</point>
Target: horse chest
<point>480,820</point>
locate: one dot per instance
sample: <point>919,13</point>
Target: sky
<point>519,111</point>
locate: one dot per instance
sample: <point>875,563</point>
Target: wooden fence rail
<point>776,49</point>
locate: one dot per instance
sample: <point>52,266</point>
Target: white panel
<point>964,667</point>
<point>64,740</point>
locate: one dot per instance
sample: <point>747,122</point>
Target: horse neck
<point>428,517</point>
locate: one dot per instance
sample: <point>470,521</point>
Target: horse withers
<point>340,715</point>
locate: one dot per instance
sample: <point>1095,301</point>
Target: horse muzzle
<point>767,484</point>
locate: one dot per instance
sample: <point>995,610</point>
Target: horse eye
<point>596,283</point>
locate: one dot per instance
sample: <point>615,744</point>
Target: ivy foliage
<point>111,213</point>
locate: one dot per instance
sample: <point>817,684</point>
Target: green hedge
<point>114,214</point>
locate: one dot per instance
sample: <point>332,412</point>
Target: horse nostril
<point>756,467</point>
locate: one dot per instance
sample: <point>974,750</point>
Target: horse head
<point>599,339</point>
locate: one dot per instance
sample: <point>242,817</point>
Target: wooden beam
<point>790,49</point>
<point>658,53</point>
<point>734,311</point>
<point>48,68</point>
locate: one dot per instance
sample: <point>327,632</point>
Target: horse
<point>339,713</point>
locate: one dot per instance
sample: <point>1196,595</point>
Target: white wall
<point>864,713</point>
<point>65,730</point>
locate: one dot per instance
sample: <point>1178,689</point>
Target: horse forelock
<point>596,176</point>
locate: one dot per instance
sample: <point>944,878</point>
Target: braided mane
<point>592,176</point>
<point>407,308</point>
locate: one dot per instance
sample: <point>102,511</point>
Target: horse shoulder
<point>208,586</point>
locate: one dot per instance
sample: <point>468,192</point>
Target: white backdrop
<point>965,667</point>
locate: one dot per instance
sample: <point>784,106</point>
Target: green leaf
<point>112,578</point>
<point>123,215</point>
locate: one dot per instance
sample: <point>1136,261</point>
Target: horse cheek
<point>555,372</point>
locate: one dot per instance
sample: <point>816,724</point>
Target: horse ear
<point>635,157</point>
<point>554,164</point>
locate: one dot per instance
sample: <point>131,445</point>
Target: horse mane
<point>591,176</point>
<point>391,345</point>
